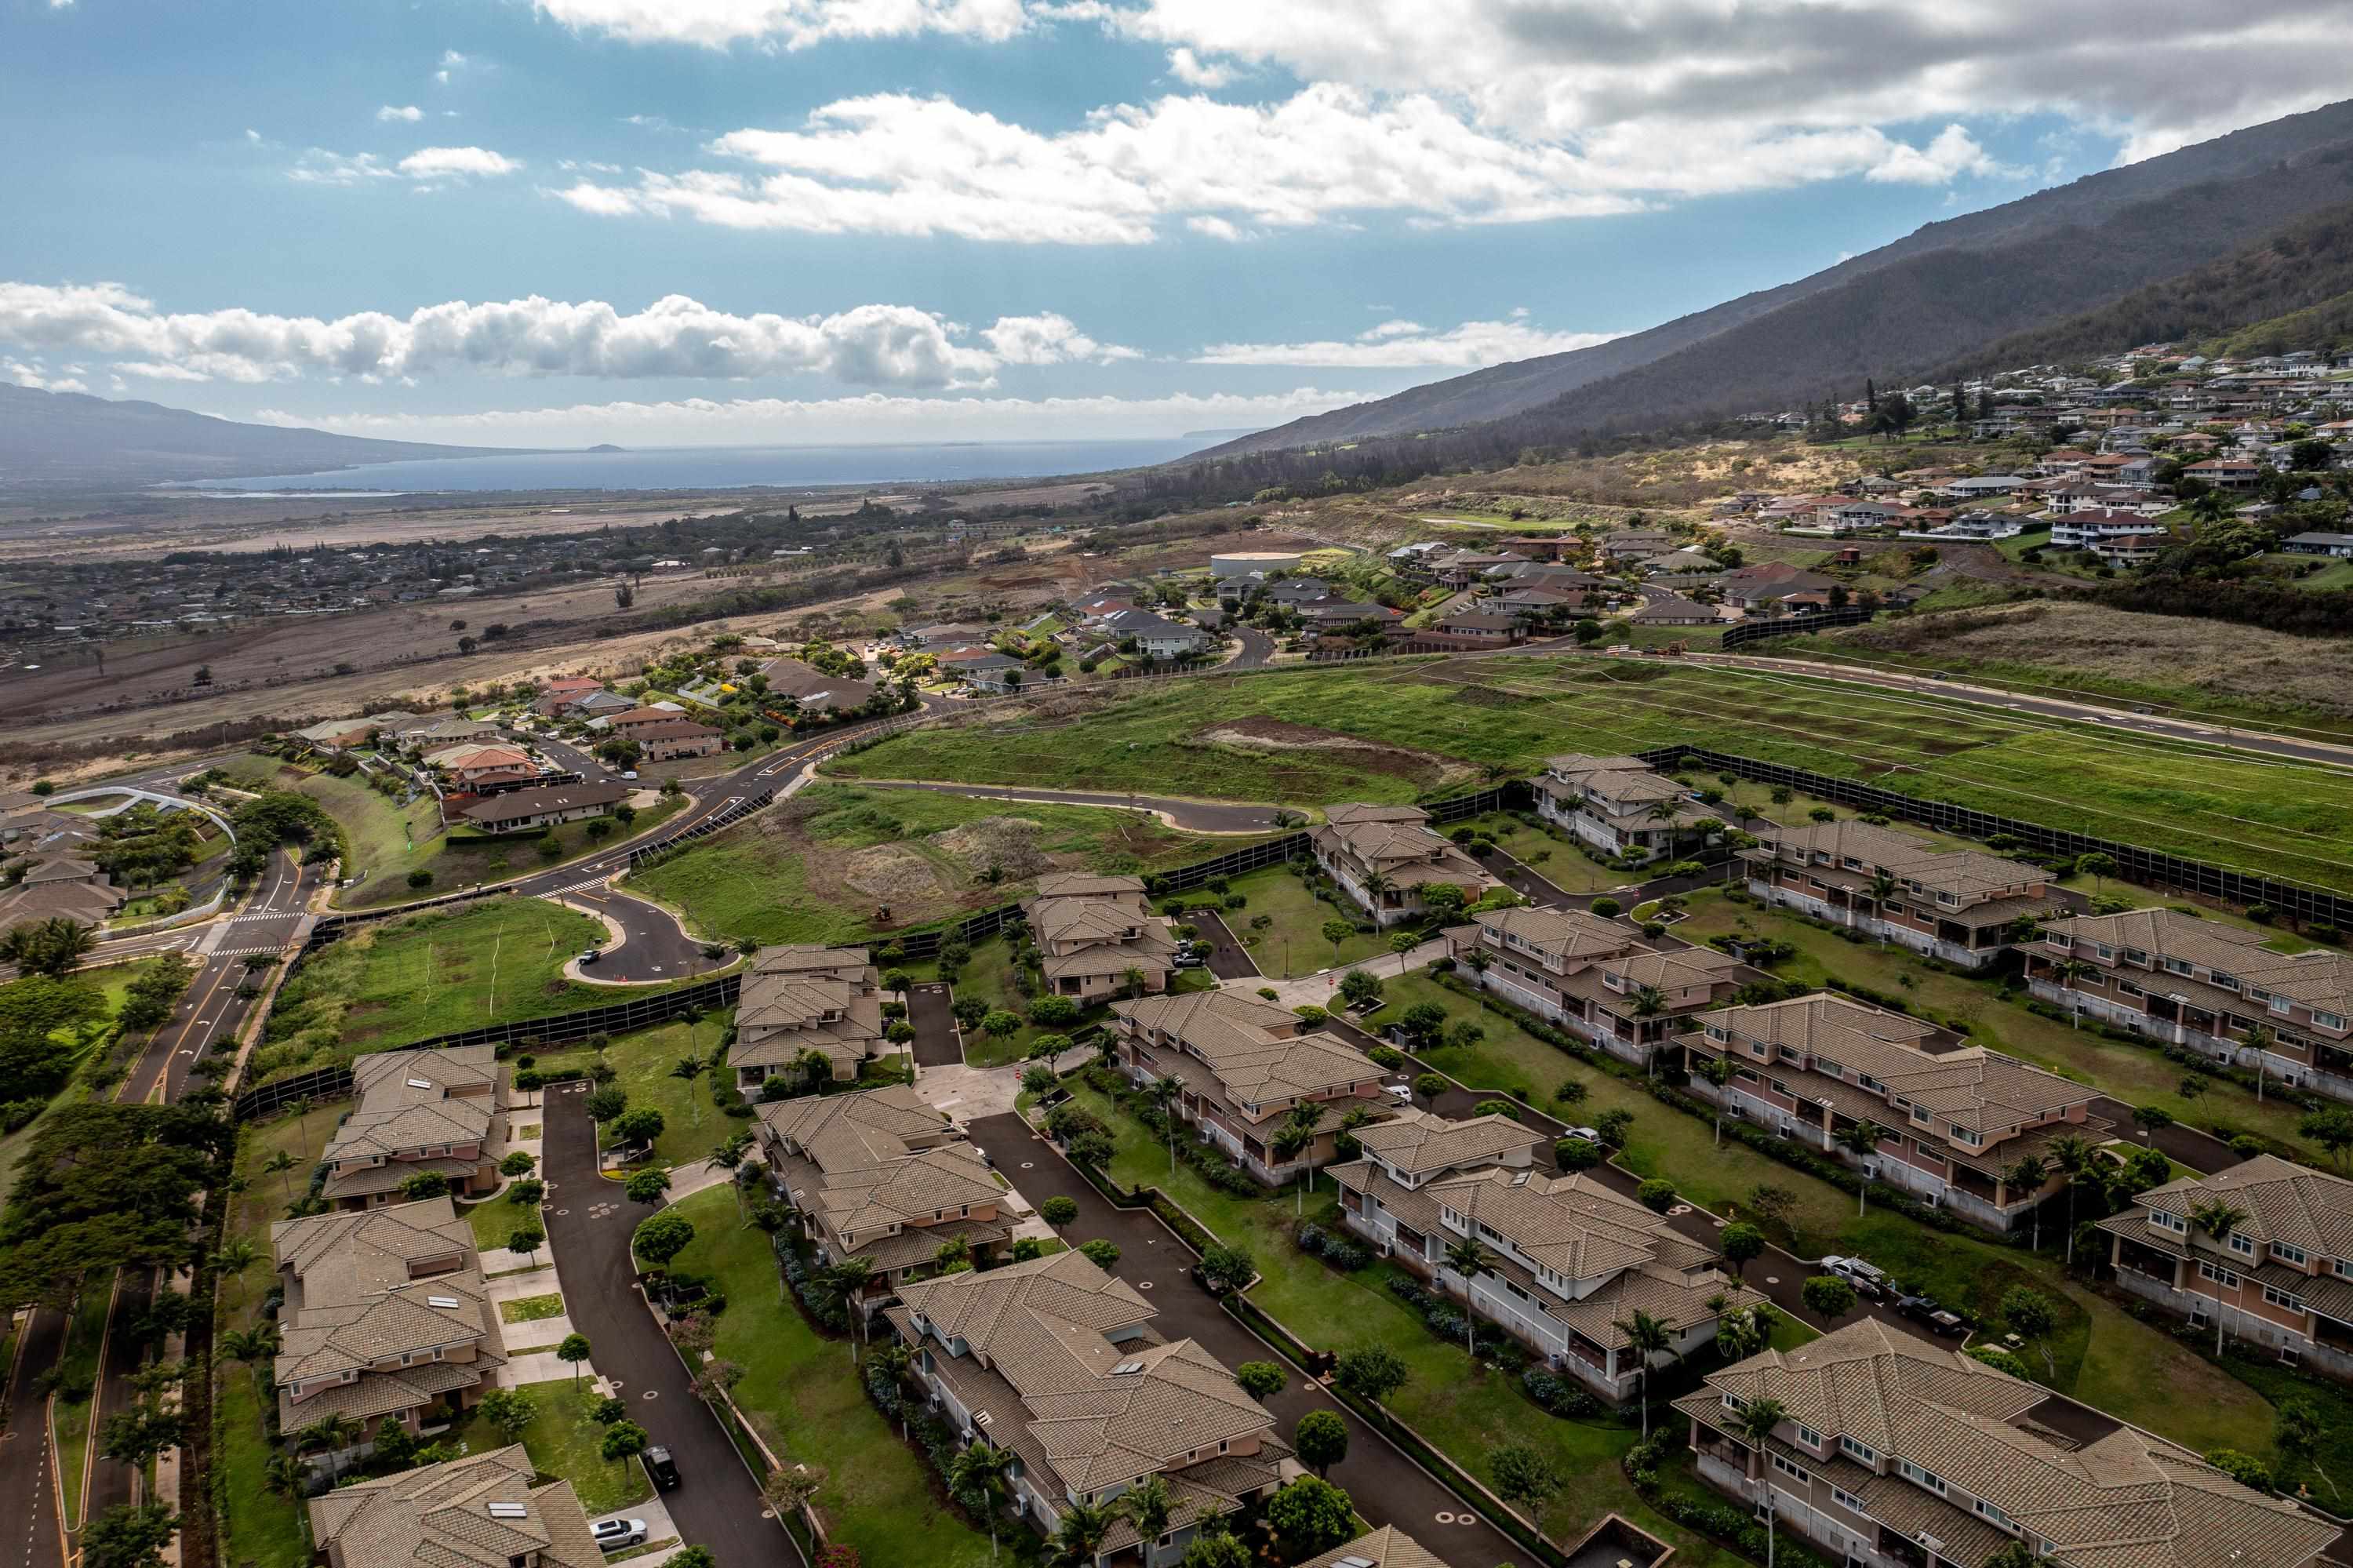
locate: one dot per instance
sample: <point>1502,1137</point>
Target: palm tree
<point>1718,1070</point>
<point>1646,1336</point>
<point>280,1162</point>
<point>231,1259</point>
<point>1755,1422</point>
<point>2258,1038</point>
<point>850,1276</point>
<point>951,1252</point>
<point>2028,1174</point>
<point>1079,1536</point>
<point>1290,1140</point>
<point>729,1157</point>
<point>2075,1157</point>
<point>1162,1093</point>
<point>896,1362</point>
<point>1377,884</point>
<point>1470,1259</point>
<point>333,1434</point>
<point>1480,963</point>
<point>1860,1140</point>
<point>248,1344</point>
<point>2067,971</point>
<point>686,1069</point>
<point>1148,1507</point>
<point>1883,888</point>
<point>2218,1219</point>
<point>978,1476</point>
<point>284,1474</point>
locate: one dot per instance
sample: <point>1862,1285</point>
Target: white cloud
<point>897,164</point>
<point>405,111</point>
<point>36,374</point>
<point>1187,66</point>
<point>787,24</point>
<point>432,163</point>
<point>1396,345</point>
<point>872,418</point>
<point>868,345</point>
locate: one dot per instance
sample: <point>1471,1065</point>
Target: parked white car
<point>1869,1283</point>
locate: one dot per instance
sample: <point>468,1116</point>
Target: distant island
<point>606,447</point>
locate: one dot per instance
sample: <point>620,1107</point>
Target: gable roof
<point>481,1511</point>
<point>1251,1045</point>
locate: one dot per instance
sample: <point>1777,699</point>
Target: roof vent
<point>1522,1179</point>
<point>449,1301</point>
<point>1354,1562</point>
<point>508,1510</point>
<point>420,1082</point>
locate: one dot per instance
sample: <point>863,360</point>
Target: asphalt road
<point>27,1470</point>
<point>1257,652</point>
<point>1191,816</point>
<point>717,1504</point>
<point>931,1011</point>
<point>1387,1487</point>
<point>1229,959</point>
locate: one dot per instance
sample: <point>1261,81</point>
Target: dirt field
<point>1426,769</point>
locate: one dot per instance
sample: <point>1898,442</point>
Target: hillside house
<point>1386,858</point>
<point>1571,1257</point>
<point>535,809</point>
<point>1952,1120</point>
<point>806,997</point>
<point>1621,805</point>
<point>416,1112</point>
<point>481,1510</point>
<point>1093,931</point>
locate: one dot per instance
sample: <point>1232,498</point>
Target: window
<point>2329,1020</point>
<point>1923,1115</point>
<point>2179,966</point>
<point>2134,955</point>
<point>2278,1298</point>
<point>1734,1402</point>
<point>2257,993</point>
<point>1781,1087</point>
<point>1868,1082</point>
<point>2227,983</point>
<point>2281,1004</point>
<point>1848,1502</point>
<point>1963,1135</point>
<point>1987,1510</point>
<point>2242,1244</point>
<point>1918,1476</point>
<point>2165,1222</point>
<point>2053,939</point>
<point>1789,1468</point>
<point>1788,1055</point>
<point>1861,1453</point>
<point>2222,1276</point>
<point>1716,1032</point>
<point>2103,951</point>
<point>2126,988</point>
<point>1810,1438</point>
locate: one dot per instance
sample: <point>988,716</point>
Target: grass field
<point>801,1394</point>
<point>1294,945</point>
<point>1550,852</point>
<point>495,1219</point>
<point>642,1063</point>
<point>77,1371</point>
<point>2261,813</point>
<point>460,863</point>
<point>429,974</point>
<point>563,1442</point>
<point>817,868</point>
<point>2104,1356</point>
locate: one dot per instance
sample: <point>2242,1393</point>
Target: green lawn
<point>532,1309</point>
<point>427,974</point>
<point>2137,1074</point>
<point>77,1369</point>
<point>691,1123</point>
<point>457,864</point>
<point>563,1441</point>
<point>802,1395</point>
<point>2104,1356</point>
<point>495,1219</point>
<point>793,875</point>
<point>2288,820</point>
<point>376,831</point>
<point>989,978</point>
<point>259,1528</point>
<point>1550,852</point>
<point>1294,945</point>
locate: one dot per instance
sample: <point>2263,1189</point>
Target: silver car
<point>614,1534</point>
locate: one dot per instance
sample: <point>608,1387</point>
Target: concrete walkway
<point>1321,988</point>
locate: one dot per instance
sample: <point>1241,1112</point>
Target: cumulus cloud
<point>1537,111</point>
<point>319,166</point>
<point>869,346</point>
<point>786,24</point>
<point>1397,344</point>
<point>870,418</point>
<point>403,111</point>
<point>36,374</point>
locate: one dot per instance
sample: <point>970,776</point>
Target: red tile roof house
<point>1959,906</point>
<point>2207,987</point>
<point>1571,1258</point>
<point>1242,1067</point>
<point>1593,978</point>
<point>1952,1120</point>
<point>1357,844</point>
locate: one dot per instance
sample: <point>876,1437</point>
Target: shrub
<point>1059,1210</point>
<point>1657,1194</point>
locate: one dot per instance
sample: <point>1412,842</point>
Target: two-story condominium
<point>418,1111</point>
<point>1093,931</point>
<point>1959,905</point>
<point>1570,1257</point>
<point>1388,1547</point>
<point>1621,805</point>
<point>482,1511</point>
<point>1952,1120</point>
<point>1387,858</point>
<point>2281,1274</point>
<point>1896,1452</point>
<point>882,1176</point>
<point>1595,978</point>
<point>386,1318</point>
<point>2207,987</point>
<point>1243,1066</point>
<point>1055,1362</point>
<point>804,997</point>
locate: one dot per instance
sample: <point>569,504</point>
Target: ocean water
<point>714,468</point>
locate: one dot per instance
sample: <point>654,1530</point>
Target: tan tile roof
<point>1417,1140</point>
<point>1562,934</point>
<point>2284,1202</point>
<point>441,1516</point>
<point>2127,1500</point>
<point>1908,859</point>
<point>1085,885</point>
<point>807,998</point>
<point>1251,1047</point>
<point>410,1100</point>
<point>876,1159</point>
<point>2318,977</point>
<point>1388,1547</point>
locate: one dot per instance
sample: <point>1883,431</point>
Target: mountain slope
<point>58,439</point>
<point>2035,240</point>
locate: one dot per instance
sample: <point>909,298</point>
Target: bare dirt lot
<point>1424,768</point>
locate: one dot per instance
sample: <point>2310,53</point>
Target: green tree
<point>1080,1531</point>
<point>51,947</point>
<point>573,1352</point>
<point>508,1411</point>
<point>1148,1505</point>
<point>1337,931</point>
<point>1261,1380</point>
<point>1739,1242</point>
<point>1829,1295</point>
<point>979,1478</point>
<point>2331,1126</point>
<point>1523,1475</point>
<point>650,1186</point>
<point>136,1436</point>
<point>622,1442</point>
<point>1646,1338</point>
<point>1372,1372</point>
<point>1321,1441</point>
<point>129,1535</point>
<point>1102,1252</point>
<point>1310,1516</point>
<point>1218,1550</point>
<point>2032,1318</point>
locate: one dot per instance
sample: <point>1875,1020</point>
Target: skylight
<point>1126,1367</point>
<point>508,1510</point>
<point>449,1301</point>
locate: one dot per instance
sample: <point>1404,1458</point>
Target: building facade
<point>1962,906</point>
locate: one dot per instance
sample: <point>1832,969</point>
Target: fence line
<point>2151,868</point>
<point>662,848</point>
<point>1747,633</point>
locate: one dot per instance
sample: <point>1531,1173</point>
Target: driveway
<point>930,1010</point>
<point>719,1504</point>
<point>1387,1487</point>
<point>1229,959</point>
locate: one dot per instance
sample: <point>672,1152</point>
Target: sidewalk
<point>1321,988</point>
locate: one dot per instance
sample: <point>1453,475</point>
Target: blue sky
<point>719,221</point>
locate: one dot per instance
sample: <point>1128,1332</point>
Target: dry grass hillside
<point>2064,642</point>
